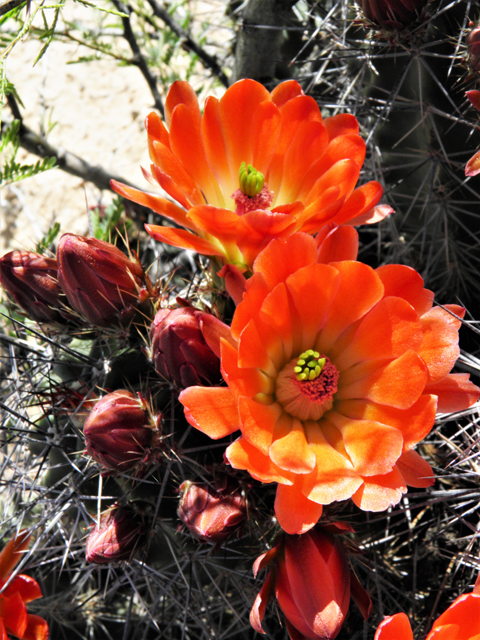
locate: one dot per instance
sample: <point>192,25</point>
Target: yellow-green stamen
<point>309,365</point>
<point>251,181</point>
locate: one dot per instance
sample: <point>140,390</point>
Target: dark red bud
<point>119,431</point>
<point>473,50</point>
<point>180,351</point>
<point>100,281</point>
<point>392,14</point>
<point>115,537</point>
<point>212,514</point>
<point>31,279</point>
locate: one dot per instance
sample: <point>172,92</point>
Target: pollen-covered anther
<point>251,181</point>
<point>253,193</point>
<point>306,386</point>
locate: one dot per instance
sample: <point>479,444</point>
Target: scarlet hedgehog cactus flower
<point>185,346</point>
<point>120,432</point>
<point>100,281</point>
<point>115,537</point>
<point>254,166</point>
<point>473,165</point>
<point>31,279</point>
<point>312,581</point>
<point>334,372</point>
<point>461,621</point>
<point>14,618</point>
<point>212,513</point>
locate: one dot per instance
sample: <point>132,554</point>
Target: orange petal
<point>387,331</point>
<point>218,222</point>
<point>404,282</point>
<point>341,124</point>
<point>156,130</point>
<point>11,553</point>
<point>183,239</point>
<point>361,287</point>
<point>235,281</point>
<point>265,129</point>
<point>257,612</point>
<point>343,174</point>
<point>455,392</point>
<point>380,492</point>
<point>374,448</point>
<point>275,313</point>
<point>295,513</point>
<point>27,587</point>
<point>398,384</point>
<point>160,205</point>
<point>243,455</point>
<point>168,163</point>
<point>283,257</point>
<point>416,471</point>
<point>414,423</point>
<point>181,92</point>
<point>472,167</point>
<point>464,612</point>
<point>13,612</point>
<point>286,91</point>
<point>242,382</point>
<point>313,289</point>
<point>256,290</point>
<point>253,353</point>
<point>167,183</point>
<point>258,422</point>
<point>236,111</point>
<point>373,215</point>
<point>211,410</point>
<point>439,349</point>
<point>215,151</point>
<point>334,477</point>
<point>186,143</point>
<point>395,627</point>
<point>37,628</point>
<point>292,452</point>
<point>361,201</point>
<point>339,243</point>
<point>257,228</point>
<point>213,330</point>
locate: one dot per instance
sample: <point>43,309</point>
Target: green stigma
<point>309,365</point>
<point>251,181</point>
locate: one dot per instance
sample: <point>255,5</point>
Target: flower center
<point>253,193</point>
<point>306,386</point>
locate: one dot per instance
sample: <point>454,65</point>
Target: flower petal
<point>292,451</point>
<point>11,553</point>
<point>179,93</point>
<point>337,244</point>
<point>439,349</point>
<point>183,239</point>
<point>243,455</point>
<point>374,448</point>
<point>380,492</point>
<point>215,150</point>
<point>395,627</point>
<point>464,612</point>
<point>295,513</point>
<point>167,162</point>
<point>361,201</point>
<point>257,228</point>
<point>258,422</point>
<point>276,313</point>
<point>398,384</point>
<point>472,167</point>
<point>341,124</point>
<point>13,612</point>
<point>283,257</point>
<point>211,410</point>
<point>286,91</point>
<point>27,587</point>
<point>37,628</point>
<point>416,471</point>
<point>404,282</point>
<point>455,392</point>
<point>257,612</point>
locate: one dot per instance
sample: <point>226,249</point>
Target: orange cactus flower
<point>253,167</point>
<point>335,372</point>
<point>472,167</point>
<point>14,618</point>
<point>461,621</point>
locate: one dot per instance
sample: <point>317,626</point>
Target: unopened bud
<point>119,431</point>
<point>100,282</point>
<point>31,279</point>
<point>392,14</point>
<point>180,351</point>
<point>115,537</point>
<point>473,50</point>
<point>212,514</point>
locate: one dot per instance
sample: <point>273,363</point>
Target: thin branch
<point>208,61</point>
<point>138,58</point>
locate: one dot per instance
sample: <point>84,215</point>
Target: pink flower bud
<point>115,537</point>
<point>100,281</point>
<point>473,50</point>
<point>212,514</point>
<point>392,14</point>
<point>31,279</point>
<point>312,582</point>
<point>186,346</point>
<point>119,431</point>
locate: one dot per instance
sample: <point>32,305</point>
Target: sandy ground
<point>98,109</point>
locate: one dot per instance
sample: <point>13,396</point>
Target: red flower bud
<point>473,50</point>
<point>119,431</point>
<point>100,281</point>
<point>186,346</point>
<point>31,279</point>
<point>212,514</point>
<point>392,14</point>
<point>312,582</point>
<point>115,537</point>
